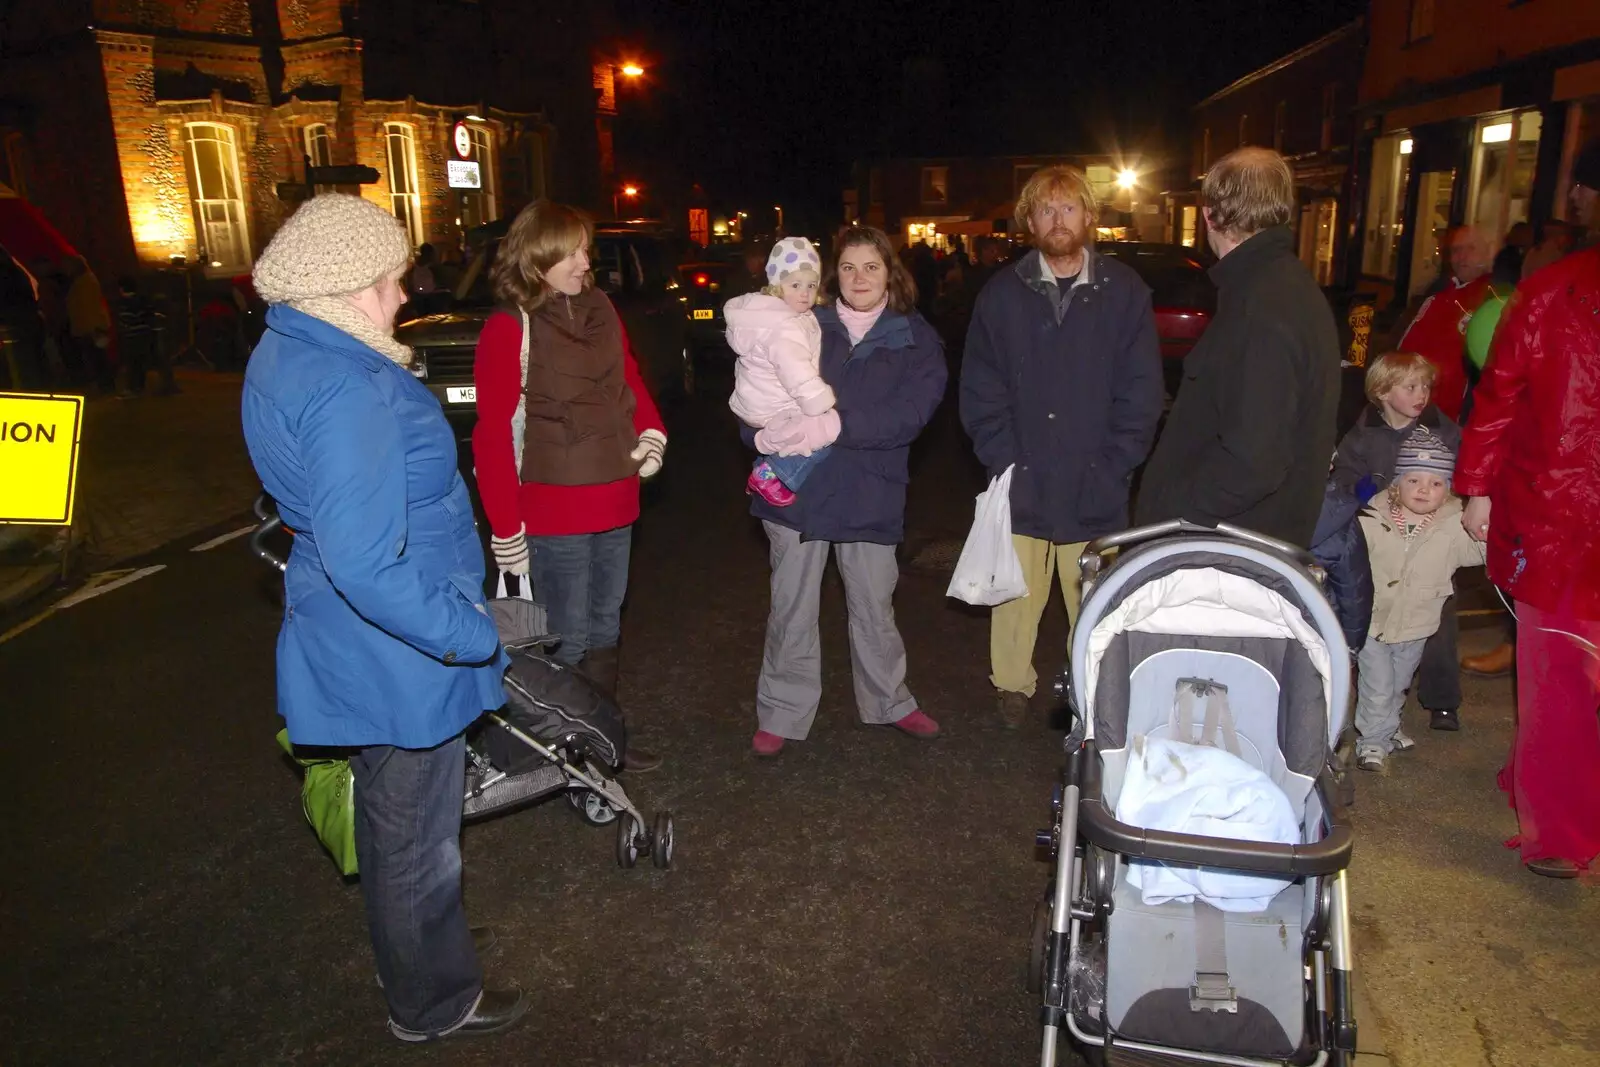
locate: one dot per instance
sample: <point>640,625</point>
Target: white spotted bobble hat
<point>792,255</point>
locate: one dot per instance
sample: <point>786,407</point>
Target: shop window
<point>1391,168</point>
<point>211,158</point>
<point>405,200</point>
<point>935,185</point>
<point>480,205</point>
<point>1420,27</point>
<point>319,149</point>
<point>1190,226</point>
<point>1505,148</point>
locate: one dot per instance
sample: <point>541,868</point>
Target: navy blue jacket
<point>1341,548</point>
<point>1068,388</point>
<point>887,388</point>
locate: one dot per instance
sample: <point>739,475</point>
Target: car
<point>702,288</point>
<point>630,264</point>
<point>1185,300</point>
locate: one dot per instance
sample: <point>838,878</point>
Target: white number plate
<point>461,394</point>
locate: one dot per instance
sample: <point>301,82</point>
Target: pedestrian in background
<point>1438,333</point>
<point>1248,439</point>
<point>1415,543</point>
<point>139,338</point>
<point>386,646</point>
<point>1555,241</point>
<point>566,429</point>
<point>1528,466</point>
<point>89,323</point>
<point>1061,380</point>
<point>886,368</point>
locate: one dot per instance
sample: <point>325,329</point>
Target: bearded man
<point>1061,379</point>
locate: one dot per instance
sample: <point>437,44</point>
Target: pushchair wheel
<point>591,807</point>
<point>630,836</point>
<point>661,845</point>
<point>1039,946</point>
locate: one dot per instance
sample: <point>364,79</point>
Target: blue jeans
<point>408,842</point>
<point>792,470</point>
<point>581,580</point>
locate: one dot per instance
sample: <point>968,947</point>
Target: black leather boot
<point>601,665</point>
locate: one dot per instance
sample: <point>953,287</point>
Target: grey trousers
<point>791,665</point>
<point>1385,674</point>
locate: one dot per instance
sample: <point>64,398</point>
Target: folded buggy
<point>1199,637</point>
<point>559,732</point>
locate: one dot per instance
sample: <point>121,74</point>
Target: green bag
<point>1480,330</point>
<point>328,797</point>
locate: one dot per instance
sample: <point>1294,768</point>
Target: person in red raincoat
<point>1530,466</point>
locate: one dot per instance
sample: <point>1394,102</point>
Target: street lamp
<point>629,191</point>
<point>779,209</point>
<point>632,70</point>
<point>1127,179</point>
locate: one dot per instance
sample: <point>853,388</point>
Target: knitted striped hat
<point>1423,450</point>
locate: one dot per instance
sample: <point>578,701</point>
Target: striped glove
<point>511,553</point>
<point>649,452</point>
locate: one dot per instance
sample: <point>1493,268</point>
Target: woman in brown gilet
<point>565,431</point>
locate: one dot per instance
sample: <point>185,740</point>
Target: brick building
<point>151,129</point>
<point>935,199</point>
<point>1298,105</point>
<point>1470,112</point>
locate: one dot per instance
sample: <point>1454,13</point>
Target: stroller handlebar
<point>1327,856</point>
<point>267,512</point>
<point>1093,557</point>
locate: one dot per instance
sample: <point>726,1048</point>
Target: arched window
<point>211,158</point>
<point>319,149</point>
<point>405,199</point>
<point>479,206</point>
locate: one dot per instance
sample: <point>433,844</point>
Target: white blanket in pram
<point>1196,789</point>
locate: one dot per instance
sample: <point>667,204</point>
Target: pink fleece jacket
<point>779,370</point>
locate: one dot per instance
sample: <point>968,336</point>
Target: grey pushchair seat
<point>1206,641</point>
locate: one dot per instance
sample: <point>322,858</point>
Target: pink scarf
<point>857,323</point>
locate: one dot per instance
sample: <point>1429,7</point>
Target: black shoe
<point>1445,719</point>
<point>639,760</point>
<point>1553,868</point>
<point>496,1010</point>
<point>1013,709</point>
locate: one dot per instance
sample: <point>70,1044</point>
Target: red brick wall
<point>300,19</point>
<point>226,17</point>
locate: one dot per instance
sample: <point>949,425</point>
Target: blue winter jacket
<point>1068,388</point>
<point>1340,546</point>
<point>887,388</point>
<point>385,640</point>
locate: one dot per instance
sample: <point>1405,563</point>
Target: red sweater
<point>541,509</point>
<point>1439,335</point>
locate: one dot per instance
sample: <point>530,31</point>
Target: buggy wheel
<point>591,807</point>
<point>629,836</point>
<point>661,845</point>
<point>1039,946</point>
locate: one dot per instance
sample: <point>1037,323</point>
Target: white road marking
<point>104,582</point>
<point>206,546</point>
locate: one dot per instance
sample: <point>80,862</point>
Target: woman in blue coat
<point>887,370</point>
<point>386,647</point>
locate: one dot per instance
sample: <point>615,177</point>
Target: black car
<point>703,289</point>
<point>633,266</point>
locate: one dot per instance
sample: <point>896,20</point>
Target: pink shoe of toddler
<point>765,484</point>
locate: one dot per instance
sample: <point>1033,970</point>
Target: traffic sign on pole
<point>39,457</point>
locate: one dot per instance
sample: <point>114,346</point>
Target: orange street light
<point>630,190</point>
<point>632,70</point>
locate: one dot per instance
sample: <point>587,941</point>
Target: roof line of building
<point>1556,56</point>
<point>1279,64</point>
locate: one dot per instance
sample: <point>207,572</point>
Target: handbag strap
<point>519,417</point>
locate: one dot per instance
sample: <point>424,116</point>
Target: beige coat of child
<point>1411,579</point>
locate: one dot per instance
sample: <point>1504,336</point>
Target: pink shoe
<point>765,484</point>
<point>917,725</point>
<point>766,745</point>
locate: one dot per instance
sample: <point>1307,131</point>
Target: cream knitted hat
<point>333,246</point>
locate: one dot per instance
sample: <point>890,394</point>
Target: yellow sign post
<point>39,457</point>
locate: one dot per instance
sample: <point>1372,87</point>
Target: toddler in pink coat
<point>778,375</point>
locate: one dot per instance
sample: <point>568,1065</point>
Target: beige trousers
<point>1014,626</point>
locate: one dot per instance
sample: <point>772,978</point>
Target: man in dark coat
<point>1248,440</point>
<point>1062,379</point>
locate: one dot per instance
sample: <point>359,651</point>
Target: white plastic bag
<point>988,572</point>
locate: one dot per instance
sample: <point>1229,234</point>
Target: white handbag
<point>988,572</point>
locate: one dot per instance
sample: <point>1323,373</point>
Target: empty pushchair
<point>1217,638</point>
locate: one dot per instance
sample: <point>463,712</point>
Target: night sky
<point>759,100</point>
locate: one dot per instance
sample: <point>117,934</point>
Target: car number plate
<point>704,313</point>
<point>461,394</point>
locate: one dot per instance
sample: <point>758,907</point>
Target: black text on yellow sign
<point>39,457</point>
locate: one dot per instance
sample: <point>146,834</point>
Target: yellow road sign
<point>39,457</point>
